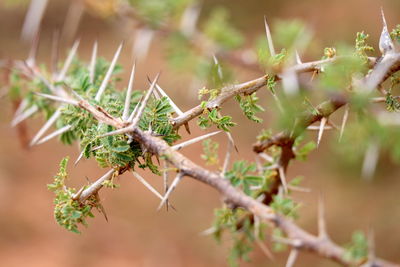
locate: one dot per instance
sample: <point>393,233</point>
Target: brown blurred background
<point>137,235</point>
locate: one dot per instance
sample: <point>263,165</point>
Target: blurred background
<point>138,235</point>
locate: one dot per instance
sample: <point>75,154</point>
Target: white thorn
<point>282,176</point>
<point>209,231</point>
<point>269,38</point>
<point>370,160</point>
<point>299,189</point>
<point>189,19</point>
<point>385,42</point>
<point>68,61</point>
<point>298,59</point>
<point>174,184</point>
<point>59,99</point>
<point>108,74</point>
<point>147,185</point>
<point>33,19</point>
<point>344,120</point>
<point>73,18</point>
<point>54,134</point>
<point>31,60</point>
<point>219,69</point>
<point>125,114</point>
<point>132,116</point>
<point>227,157</point>
<point>21,107</point>
<point>292,257</point>
<point>322,231</point>
<point>142,42</point>
<point>24,115</point>
<point>94,187</point>
<point>321,129</point>
<point>46,126</point>
<point>194,140</point>
<point>92,66</point>
<point>173,105</point>
<point>266,157</point>
<point>79,158</point>
<point>82,152</point>
<point>118,131</point>
<point>317,128</point>
<point>165,179</point>
<point>140,110</point>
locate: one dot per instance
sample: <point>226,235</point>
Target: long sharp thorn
<point>94,187</point>
<point>344,120</point>
<point>24,115</point>
<point>266,157</point>
<point>174,184</point>
<point>370,160</point>
<point>125,114</point>
<point>265,250</point>
<point>298,59</point>
<point>73,18</point>
<point>165,180</point>
<point>92,66</point>
<point>59,99</point>
<point>144,102</point>
<point>118,131</point>
<point>322,231</point>
<point>269,38</point>
<point>33,19</point>
<point>227,157</point>
<point>321,129</point>
<point>173,105</point>
<point>21,107</point>
<point>31,60</point>
<point>189,19</point>
<point>194,140</point>
<point>216,62</point>
<point>385,42</point>
<point>132,116</point>
<point>108,74</point>
<point>68,61</point>
<point>282,176</point>
<point>80,157</point>
<point>292,257</point>
<point>82,154</point>
<point>55,49</point>
<point>147,185</point>
<point>46,126</point>
<point>141,45</point>
<point>54,134</point>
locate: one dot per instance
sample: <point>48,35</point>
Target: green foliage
<point>248,104</point>
<point>210,149</point>
<point>285,206</point>
<point>339,74</point>
<point>392,103</point>
<point>219,30</point>
<point>241,176</point>
<point>237,223</point>
<point>395,34</point>
<point>214,118</point>
<point>304,151</point>
<point>68,213</point>
<point>357,249</point>
<point>362,48</point>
